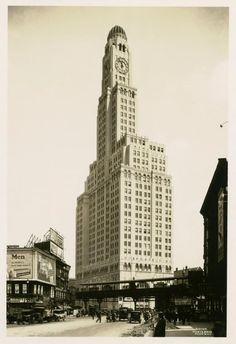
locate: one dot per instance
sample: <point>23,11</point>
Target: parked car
<point>135,316</point>
<point>12,316</point>
<point>25,317</point>
<point>59,314</point>
<point>123,313</point>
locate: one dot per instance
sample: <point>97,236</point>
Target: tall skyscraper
<point>124,216</point>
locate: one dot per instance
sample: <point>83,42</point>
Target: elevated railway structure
<point>163,290</point>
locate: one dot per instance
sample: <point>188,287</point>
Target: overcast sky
<point>179,66</point>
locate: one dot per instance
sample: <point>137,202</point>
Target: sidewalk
<point>194,329</point>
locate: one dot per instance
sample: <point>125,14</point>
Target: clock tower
<point>116,60</point>
<point>117,96</point>
<point>124,216</point>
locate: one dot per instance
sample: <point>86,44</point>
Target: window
<point>17,288</point>
<point>9,288</point>
<point>24,288</point>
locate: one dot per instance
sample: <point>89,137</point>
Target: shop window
<point>17,288</point>
<point>24,288</point>
<point>9,288</point>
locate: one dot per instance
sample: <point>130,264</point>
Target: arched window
<point>160,269</point>
<point>136,267</point>
<point>124,48</point>
<point>140,267</point>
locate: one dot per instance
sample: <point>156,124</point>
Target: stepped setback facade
<point>124,217</point>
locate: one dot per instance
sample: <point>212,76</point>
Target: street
<point>72,327</point>
<point>86,327</point>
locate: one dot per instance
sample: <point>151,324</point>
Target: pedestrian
<point>183,317</point>
<point>108,316</point>
<point>175,317</point>
<point>160,329</point>
<point>99,316</point>
<point>113,316</point>
<point>92,313</point>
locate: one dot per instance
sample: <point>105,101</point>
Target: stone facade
<point>124,217</point>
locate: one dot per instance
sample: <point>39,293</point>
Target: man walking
<point>160,329</point>
<point>99,316</point>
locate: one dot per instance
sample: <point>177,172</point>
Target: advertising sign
<point>46,269</point>
<point>19,264</point>
<point>183,302</point>
<point>54,249</point>
<point>55,237</point>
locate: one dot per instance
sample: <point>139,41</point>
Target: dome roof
<point>117,31</point>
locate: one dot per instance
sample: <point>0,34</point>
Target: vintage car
<point>59,314</point>
<point>135,316</point>
<point>25,316</point>
<point>123,313</point>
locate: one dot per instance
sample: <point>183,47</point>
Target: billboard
<point>46,268</point>
<point>55,237</point>
<point>19,264</point>
<point>56,250</point>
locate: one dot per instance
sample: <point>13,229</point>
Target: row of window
<point>127,92</point>
<point>124,100</point>
<point>124,130</point>
<point>130,109</point>
<point>147,267</point>
<point>156,148</point>
<point>127,122</point>
<point>23,288</point>
<point>124,115</point>
<point>139,252</point>
<point>146,177</point>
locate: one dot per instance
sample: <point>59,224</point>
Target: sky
<point>179,67</point>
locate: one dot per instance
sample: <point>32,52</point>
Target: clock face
<point>122,65</point>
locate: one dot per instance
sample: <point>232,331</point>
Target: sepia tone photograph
<point>117,171</point>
